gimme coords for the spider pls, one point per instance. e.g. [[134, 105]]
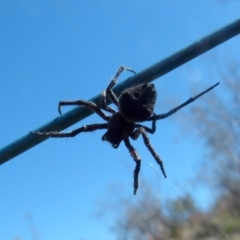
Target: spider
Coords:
[[135, 104]]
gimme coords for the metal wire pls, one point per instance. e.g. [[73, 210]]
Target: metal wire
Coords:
[[148, 75]]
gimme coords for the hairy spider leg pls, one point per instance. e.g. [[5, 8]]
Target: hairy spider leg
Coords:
[[152, 130], [172, 111], [109, 90], [91, 105], [142, 130], [137, 159], [104, 103], [153, 152], [86, 128]]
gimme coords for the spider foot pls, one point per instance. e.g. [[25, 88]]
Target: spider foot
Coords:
[[36, 133], [120, 70], [59, 109], [127, 69], [135, 177], [163, 170], [45, 134], [60, 104]]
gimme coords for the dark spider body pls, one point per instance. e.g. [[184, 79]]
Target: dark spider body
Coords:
[[135, 104], [118, 129]]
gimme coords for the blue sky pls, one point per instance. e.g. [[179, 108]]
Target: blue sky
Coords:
[[66, 50]]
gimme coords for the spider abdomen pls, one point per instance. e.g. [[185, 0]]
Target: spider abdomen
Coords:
[[136, 104]]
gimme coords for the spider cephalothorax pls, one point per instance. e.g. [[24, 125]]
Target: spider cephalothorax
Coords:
[[135, 104]]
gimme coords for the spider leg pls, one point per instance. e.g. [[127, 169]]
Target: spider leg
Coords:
[[147, 129], [104, 104], [91, 105], [190, 100], [137, 159], [147, 143], [86, 128], [109, 90]]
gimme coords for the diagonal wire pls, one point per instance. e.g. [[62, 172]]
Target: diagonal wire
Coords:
[[147, 75]]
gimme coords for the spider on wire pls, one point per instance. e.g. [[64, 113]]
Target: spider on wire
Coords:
[[135, 104]]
